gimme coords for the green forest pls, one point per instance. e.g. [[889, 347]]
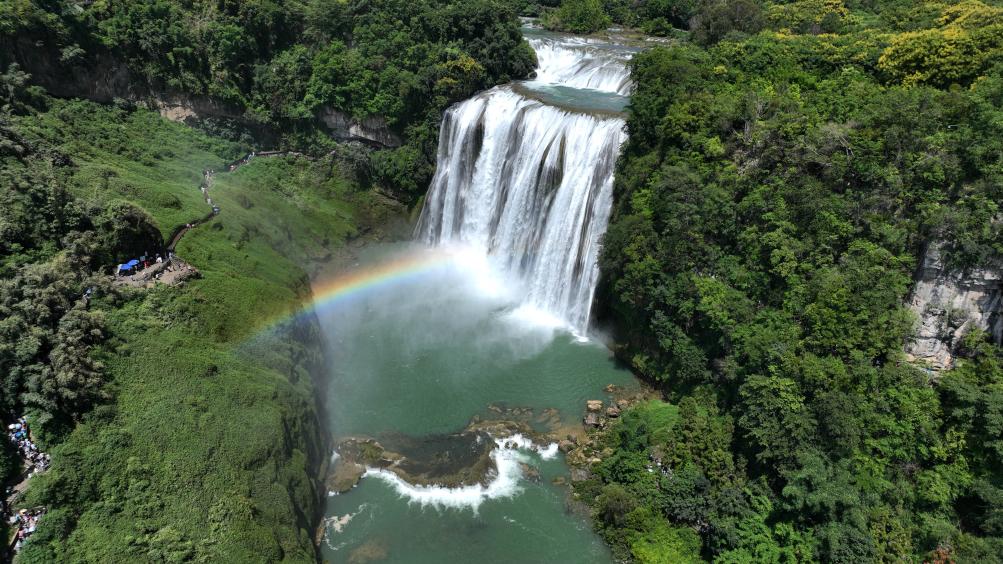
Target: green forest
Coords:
[[788, 163], [278, 65]]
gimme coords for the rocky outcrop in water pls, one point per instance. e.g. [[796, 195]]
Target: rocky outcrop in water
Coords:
[[949, 304]]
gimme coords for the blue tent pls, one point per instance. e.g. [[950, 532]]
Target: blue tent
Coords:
[[132, 263]]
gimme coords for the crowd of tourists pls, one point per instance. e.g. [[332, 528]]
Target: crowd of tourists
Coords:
[[24, 521], [241, 162], [20, 436], [204, 187], [134, 266]]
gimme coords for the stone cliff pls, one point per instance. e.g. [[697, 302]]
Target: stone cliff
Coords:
[[107, 79], [951, 303]]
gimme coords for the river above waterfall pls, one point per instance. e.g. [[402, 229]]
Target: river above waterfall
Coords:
[[459, 361]]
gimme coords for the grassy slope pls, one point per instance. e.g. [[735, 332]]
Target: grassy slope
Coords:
[[134, 156], [209, 448]]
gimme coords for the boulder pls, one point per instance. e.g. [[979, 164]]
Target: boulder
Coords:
[[565, 446], [612, 412], [592, 420], [594, 405]]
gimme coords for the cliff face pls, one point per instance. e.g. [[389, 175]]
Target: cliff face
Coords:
[[949, 304], [108, 78], [372, 130]]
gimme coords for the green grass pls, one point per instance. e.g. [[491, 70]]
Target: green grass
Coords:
[[134, 156], [210, 450], [659, 418]]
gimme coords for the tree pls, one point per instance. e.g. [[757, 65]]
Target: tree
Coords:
[[614, 504], [776, 419], [968, 41], [73, 382], [578, 16], [716, 19]]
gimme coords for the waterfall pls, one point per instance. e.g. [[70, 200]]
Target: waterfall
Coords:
[[582, 64], [530, 185]]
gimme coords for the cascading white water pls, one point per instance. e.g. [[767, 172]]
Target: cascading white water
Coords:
[[581, 64], [530, 185]]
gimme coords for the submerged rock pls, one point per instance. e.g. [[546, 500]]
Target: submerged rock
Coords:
[[531, 473], [344, 476], [371, 551]]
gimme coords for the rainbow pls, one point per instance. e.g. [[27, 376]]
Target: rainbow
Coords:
[[364, 281]]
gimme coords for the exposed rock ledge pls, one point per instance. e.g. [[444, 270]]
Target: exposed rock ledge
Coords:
[[372, 129], [949, 304]]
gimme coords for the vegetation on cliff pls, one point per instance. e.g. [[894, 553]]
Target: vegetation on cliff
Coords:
[[281, 65], [773, 202], [179, 428]]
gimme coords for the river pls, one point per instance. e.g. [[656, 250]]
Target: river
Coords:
[[467, 354]]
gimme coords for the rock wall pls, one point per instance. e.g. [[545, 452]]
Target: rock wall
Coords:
[[105, 78], [949, 304], [372, 130]]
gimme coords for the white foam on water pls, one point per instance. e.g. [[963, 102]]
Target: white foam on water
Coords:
[[547, 452], [337, 523], [507, 455], [582, 64]]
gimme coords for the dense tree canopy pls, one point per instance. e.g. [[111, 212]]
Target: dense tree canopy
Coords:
[[285, 64], [774, 200]]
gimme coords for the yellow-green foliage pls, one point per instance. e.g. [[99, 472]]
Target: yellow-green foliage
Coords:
[[811, 16], [969, 39], [665, 544]]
